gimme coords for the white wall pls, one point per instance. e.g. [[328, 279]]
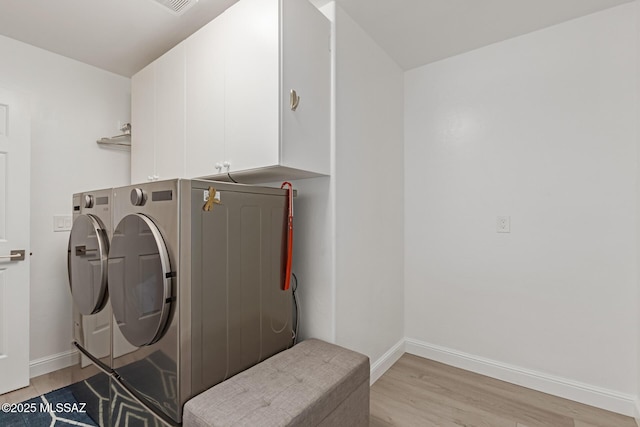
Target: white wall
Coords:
[[542, 128], [369, 194], [348, 248], [637, 412], [314, 258], [72, 105]]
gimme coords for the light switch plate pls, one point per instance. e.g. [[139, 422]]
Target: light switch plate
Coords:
[[62, 223]]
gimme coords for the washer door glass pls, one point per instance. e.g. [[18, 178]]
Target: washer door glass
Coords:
[[87, 264], [139, 280]]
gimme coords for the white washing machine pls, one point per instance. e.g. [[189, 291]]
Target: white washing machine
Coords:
[[196, 292]]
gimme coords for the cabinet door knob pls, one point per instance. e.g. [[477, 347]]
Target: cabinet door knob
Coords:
[[156, 177], [218, 166], [149, 178], [294, 100], [227, 165]]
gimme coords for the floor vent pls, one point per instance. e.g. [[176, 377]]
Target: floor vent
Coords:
[[178, 7]]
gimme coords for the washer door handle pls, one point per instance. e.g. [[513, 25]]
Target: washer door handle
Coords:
[[82, 250]]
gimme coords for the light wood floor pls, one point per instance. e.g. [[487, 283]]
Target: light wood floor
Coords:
[[421, 392]]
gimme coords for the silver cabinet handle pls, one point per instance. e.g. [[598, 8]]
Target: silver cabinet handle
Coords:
[[294, 100], [16, 255]]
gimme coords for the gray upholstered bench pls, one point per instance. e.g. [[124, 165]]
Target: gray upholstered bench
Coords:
[[312, 384]]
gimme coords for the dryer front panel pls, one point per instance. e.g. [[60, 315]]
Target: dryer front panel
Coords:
[[140, 280], [87, 264]]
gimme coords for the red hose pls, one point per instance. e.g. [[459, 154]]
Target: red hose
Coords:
[[287, 279]]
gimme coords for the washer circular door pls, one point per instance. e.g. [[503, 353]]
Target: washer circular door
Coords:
[[139, 280], [87, 264]]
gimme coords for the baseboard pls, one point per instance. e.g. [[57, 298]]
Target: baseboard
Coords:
[[52, 363], [637, 417], [387, 360], [573, 390]]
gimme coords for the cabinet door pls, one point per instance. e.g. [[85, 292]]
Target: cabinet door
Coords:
[[252, 81], [205, 99], [170, 114], [143, 124], [306, 69]]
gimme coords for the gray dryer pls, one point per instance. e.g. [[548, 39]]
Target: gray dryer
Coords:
[[197, 292]]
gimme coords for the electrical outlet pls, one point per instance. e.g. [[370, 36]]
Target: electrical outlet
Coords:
[[503, 224]]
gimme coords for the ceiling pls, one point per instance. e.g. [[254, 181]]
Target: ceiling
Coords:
[[122, 36], [417, 32]]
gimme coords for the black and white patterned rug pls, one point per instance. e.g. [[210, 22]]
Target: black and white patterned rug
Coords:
[[88, 402], [57, 408]]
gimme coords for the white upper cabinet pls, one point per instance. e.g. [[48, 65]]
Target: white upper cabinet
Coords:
[[306, 132], [252, 85], [233, 114], [170, 111], [143, 110], [158, 109], [205, 97]]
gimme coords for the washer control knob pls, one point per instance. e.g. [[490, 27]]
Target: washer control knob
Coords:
[[138, 197], [88, 201]]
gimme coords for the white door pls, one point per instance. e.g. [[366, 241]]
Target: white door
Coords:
[[15, 142]]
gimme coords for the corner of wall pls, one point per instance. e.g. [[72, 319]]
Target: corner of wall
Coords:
[[386, 361], [329, 10], [637, 101], [369, 312]]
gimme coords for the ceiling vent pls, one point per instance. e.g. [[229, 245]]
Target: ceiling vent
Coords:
[[177, 7]]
